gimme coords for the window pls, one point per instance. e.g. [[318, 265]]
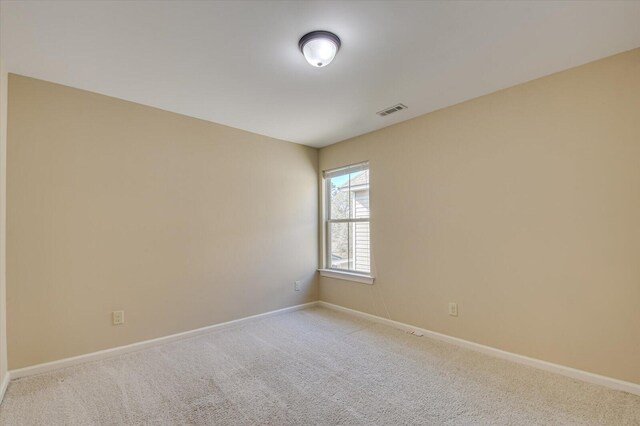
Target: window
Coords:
[[347, 219]]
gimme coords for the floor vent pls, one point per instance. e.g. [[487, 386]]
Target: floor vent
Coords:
[[391, 110]]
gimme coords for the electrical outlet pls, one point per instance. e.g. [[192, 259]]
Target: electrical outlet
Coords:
[[296, 286], [453, 309], [117, 317]]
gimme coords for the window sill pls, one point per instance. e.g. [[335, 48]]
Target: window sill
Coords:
[[347, 276]]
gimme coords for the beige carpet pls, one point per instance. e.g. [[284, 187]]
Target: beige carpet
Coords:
[[311, 367]]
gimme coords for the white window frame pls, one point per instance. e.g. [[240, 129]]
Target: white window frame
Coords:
[[327, 270]]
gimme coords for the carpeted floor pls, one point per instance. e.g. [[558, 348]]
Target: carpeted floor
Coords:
[[311, 367]]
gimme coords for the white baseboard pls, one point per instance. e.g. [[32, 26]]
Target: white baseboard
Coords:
[[4, 385], [109, 353], [609, 382]]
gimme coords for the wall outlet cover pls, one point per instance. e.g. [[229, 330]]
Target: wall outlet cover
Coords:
[[117, 317], [453, 309]]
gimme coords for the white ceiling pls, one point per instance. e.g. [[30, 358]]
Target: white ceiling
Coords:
[[237, 62]]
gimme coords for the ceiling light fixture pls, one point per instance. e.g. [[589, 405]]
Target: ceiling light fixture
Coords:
[[319, 47]]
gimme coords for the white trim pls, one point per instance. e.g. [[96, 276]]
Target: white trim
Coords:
[[109, 353], [348, 276], [4, 385], [574, 373], [345, 170], [355, 220], [610, 382]]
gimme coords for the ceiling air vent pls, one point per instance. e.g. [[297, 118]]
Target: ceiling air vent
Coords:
[[391, 110]]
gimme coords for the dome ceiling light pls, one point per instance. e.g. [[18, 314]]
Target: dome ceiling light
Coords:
[[319, 47]]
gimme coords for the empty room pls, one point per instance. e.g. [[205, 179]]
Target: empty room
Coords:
[[319, 212]]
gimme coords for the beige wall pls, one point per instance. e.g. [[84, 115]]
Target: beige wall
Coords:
[[3, 234], [522, 206], [180, 222]]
